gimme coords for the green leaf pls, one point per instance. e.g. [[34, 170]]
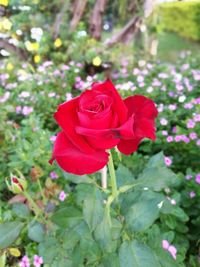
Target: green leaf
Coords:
[[93, 208], [124, 176], [157, 176], [68, 216], [168, 208], [142, 215], [111, 259], [21, 210], [9, 232], [36, 231], [137, 254]]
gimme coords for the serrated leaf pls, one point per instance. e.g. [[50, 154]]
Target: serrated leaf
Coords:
[[142, 215], [9, 232], [124, 176]]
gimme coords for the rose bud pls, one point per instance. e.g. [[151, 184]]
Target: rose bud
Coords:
[[17, 185]]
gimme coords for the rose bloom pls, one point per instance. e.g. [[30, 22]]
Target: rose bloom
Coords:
[[98, 120]]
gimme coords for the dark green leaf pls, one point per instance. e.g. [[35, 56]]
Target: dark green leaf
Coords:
[[124, 176], [136, 254]]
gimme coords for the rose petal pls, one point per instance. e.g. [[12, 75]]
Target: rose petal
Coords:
[[119, 106], [66, 117], [141, 106], [128, 146], [72, 160], [144, 128]]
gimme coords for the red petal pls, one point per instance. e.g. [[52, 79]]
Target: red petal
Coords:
[[119, 107], [144, 128], [141, 106], [66, 117], [72, 160], [128, 146]]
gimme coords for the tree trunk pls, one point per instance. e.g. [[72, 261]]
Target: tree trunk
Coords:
[[96, 19], [59, 18], [79, 7], [126, 33]]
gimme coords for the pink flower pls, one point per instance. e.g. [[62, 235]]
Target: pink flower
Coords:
[[165, 244], [52, 138], [38, 261], [198, 142], [193, 136], [62, 196], [168, 161], [197, 117], [53, 175], [192, 194], [165, 133], [174, 129], [170, 139], [190, 124], [27, 110], [163, 121], [188, 177], [178, 138], [24, 262], [198, 178], [172, 250]]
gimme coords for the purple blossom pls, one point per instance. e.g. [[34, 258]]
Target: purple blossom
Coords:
[[164, 133], [52, 138], [190, 124], [197, 178], [193, 136], [53, 175], [192, 194], [27, 110], [188, 177], [198, 142]]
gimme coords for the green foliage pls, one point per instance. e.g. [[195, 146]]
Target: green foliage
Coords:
[[181, 17], [9, 232]]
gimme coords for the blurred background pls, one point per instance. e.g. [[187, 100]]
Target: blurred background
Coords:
[[38, 30], [50, 51]]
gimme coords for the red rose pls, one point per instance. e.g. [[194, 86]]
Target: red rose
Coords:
[[97, 120]]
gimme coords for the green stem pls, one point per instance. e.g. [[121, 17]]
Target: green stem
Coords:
[[41, 191], [35, 207], [112, 176]]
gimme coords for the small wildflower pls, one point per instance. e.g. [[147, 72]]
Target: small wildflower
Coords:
[[163, 121], [24, 262], [58, 43], [192, 194], [96, 61], [198, 178], [168, 161], [38, 261], [188, 177], [53, 175], [62, 196]]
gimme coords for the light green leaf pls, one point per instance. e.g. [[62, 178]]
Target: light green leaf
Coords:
[[9, 232], [137, 254]]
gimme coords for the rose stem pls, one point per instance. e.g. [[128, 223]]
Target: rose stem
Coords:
[[112, 176], [41, 191], [104, 177], [35, 207]]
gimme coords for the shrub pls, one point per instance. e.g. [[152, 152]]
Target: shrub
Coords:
[[182, 18]]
